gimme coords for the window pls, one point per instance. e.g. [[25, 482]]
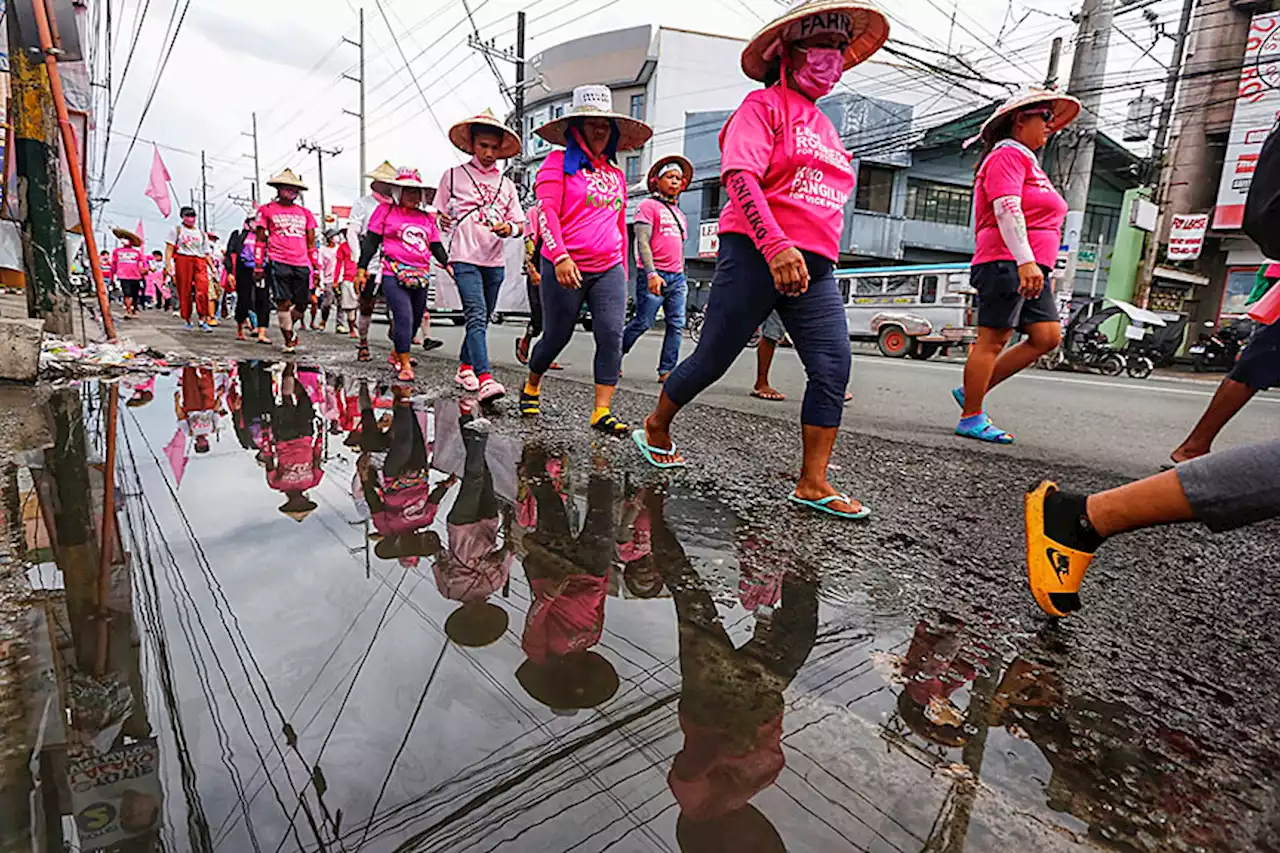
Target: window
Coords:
[[948, 204], [637, 106], [875, 189], [633, 170], [902, 286], [929, 294], [557, 111], [869, 286], [712, 200], [1100, 224]]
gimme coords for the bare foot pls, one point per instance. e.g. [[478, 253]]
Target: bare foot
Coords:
[[768, 392], [658, 437], [818, 491], [1186, 454]]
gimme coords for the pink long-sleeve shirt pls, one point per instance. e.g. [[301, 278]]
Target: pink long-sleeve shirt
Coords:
[[583, 216], [476, 199]]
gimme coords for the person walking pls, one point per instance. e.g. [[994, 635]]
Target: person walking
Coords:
[[408, 238], [1018, 219], [1226, 491], [128, 267], [661, 228], [322, 295], [253, 299], [479, 210], [357, 226], [217, 281], [285, 253], [788, 177], [348, 299], [582, 196], [533, 286], [184, 261]]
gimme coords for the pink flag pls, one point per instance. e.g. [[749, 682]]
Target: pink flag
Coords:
[[158, 186], [176, 452], [141, 234]]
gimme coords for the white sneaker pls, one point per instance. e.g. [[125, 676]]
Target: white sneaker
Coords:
[[467, 379], [490, 390]]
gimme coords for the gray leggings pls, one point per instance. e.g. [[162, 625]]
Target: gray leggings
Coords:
[[1234, 488], [605, 293]]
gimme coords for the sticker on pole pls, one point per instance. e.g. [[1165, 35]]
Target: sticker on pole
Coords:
[[1186, 236], [117, 796]]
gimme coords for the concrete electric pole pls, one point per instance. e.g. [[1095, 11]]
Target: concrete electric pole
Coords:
[[321, 153], [257, 174], [364, 152]]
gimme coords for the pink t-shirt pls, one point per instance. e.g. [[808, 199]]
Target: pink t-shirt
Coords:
[[407, 234], [287, 227], [297, 465], [669, 227], [129, 263], [584, 215], [328, 265], [807, 180], [476, 199], [1011, 169]]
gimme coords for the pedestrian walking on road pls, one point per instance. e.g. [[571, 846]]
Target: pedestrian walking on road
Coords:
[[582, 196], [408, 238], [533, 286], [1018, 218], [1226, 490], [128, 266], [217, 281], [661, 228], [185, 262], [285, 253], [253, 298], [357, 226], [788, 177], [348, 300], [322, 295], [480, 208]]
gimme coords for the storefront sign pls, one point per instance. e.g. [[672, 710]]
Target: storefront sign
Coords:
[[709, 239], [1257, 103], [1186, 236], [1087, 258], [117, 796]]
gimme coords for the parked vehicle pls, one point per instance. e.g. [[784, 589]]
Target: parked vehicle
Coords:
[[915, 311], [1085, 346], [1219, 350]]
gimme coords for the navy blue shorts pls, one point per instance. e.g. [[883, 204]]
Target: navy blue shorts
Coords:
[[1259, 364], [1002, 306], [290, 283]]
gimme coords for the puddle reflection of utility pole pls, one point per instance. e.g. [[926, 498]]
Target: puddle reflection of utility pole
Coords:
[[953, 826]]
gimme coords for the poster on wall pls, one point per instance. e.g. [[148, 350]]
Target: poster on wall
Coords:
[[116, 796], [1186, 236], [1257, 108]]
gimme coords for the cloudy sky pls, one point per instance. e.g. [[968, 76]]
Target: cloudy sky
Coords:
[[285, 59]]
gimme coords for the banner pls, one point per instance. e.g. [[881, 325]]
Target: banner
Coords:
[[709, 239], [1186, 236], [116, 796], [1257, 107]]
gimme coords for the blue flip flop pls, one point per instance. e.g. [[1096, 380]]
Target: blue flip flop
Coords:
[[957, 394], [651, 454], [824, 505], [986, 431]]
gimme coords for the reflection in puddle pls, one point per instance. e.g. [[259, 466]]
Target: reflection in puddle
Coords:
[[351, 618]]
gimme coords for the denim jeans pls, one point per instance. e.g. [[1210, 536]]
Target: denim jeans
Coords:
[[478, 287], [675, 293]]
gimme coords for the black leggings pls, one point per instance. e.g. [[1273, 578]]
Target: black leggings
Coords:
[[477, 498], [251, 296], [408, 451], [535, 308]]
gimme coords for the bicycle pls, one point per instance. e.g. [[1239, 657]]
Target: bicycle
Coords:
[[697, 318]]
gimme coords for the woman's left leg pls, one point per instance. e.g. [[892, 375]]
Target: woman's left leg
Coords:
[[606, 295]]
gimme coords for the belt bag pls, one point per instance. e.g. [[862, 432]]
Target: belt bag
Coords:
[[408, 276]]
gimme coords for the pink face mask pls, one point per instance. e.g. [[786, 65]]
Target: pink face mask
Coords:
[[821, 71], [189, 221]]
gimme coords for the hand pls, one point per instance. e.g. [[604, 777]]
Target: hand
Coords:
[[444, 221], [1031, 279], [503, 229], [790, 272], [362, 278], [655, 284], [567, 274]]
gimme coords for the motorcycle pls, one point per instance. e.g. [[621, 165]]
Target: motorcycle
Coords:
[[1219, 351]]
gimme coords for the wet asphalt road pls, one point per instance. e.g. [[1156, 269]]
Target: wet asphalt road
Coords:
[[1162, 735]]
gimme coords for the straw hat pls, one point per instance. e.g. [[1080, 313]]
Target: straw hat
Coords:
[[287, 179], [460, 135], [383, 172], [126, 234], [298, 507], [1065, 109], [573, 683], [660, 166], [405, 178], [597, 102], [866, 26]]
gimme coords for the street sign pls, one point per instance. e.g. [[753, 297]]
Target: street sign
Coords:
[[1087, 258], [1257, 101], [709, 239], [1186, 236]]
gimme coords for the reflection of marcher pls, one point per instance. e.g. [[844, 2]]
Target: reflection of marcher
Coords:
[[938, 663], [143, 392], [296, 447], [731, 703], [569, 580], [251, 406], [198, 404], [1225, 490], [635, 548], [475, 566]]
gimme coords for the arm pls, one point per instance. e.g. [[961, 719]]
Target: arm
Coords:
[[313, 251], [369, 246], [550, 189], [168, 258], [644, 242], [260, 252], [1013, 228], [443, 196], [438, 252], [745, 192]]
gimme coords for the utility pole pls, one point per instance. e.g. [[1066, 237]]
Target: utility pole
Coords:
[[364, 165], [257, 175], [204, 195], [321, 153], [44, 247], [1055, 59], [1088, 71], [491, 51]]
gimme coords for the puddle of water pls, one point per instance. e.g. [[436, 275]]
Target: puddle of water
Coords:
[[369, 621]]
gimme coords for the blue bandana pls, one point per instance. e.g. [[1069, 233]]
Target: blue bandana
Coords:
[[576, 159]]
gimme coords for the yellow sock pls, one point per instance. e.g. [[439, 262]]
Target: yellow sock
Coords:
[[531, 390], [599, 413]]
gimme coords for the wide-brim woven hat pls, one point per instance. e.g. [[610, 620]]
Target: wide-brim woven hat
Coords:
[[405, 178], [287, 179], [384, 172], [865, 25], [1065, 110], [460, 135], [126, 234], [659, 167], [597, 102], [298, 507]]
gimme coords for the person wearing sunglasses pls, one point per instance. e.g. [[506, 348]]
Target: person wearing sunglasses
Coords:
[[1018, 219]]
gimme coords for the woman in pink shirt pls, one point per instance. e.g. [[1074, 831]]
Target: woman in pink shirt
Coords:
[[408, 238], [285, 253], [1018, 218], [129, 267], [788, 178], [582, 199]]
